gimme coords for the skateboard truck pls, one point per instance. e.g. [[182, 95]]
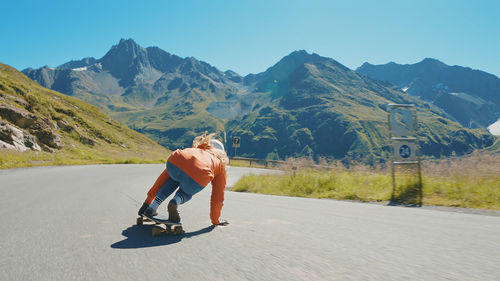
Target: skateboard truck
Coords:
[[170, 227]]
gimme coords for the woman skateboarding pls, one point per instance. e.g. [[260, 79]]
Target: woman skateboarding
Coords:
[[189, 171]]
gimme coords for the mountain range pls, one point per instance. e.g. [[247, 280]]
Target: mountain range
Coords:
[[304, 105], [471, 97], [42, 121]]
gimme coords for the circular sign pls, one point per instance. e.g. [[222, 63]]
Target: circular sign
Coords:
[[405, 151], [236, 142]]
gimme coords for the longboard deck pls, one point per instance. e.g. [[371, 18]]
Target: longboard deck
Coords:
[[170, 227], [163, 219]]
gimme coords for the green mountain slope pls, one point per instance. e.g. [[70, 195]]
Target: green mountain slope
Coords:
[[52, 128], [323, 109]]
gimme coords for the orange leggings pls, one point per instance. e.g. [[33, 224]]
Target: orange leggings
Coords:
[[156, 186]]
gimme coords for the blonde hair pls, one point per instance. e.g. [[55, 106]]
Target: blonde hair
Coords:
[[203, 142]]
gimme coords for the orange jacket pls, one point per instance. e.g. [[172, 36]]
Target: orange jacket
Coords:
[[203, 168]]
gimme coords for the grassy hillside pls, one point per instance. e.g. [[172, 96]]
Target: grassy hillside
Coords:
[[66, 130], [495, 148]]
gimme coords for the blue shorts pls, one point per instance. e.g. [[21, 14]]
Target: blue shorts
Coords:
[[187, 184]]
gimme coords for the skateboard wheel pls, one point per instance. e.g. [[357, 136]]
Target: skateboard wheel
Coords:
[[177, 230], [139, 221], [157, 231]]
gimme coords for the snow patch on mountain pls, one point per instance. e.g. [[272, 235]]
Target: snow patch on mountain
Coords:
[[495, 128], [80, 68]]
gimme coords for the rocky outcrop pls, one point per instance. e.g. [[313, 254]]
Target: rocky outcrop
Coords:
[[17, 116], [65, 126], [16, 139], [41, 128], [87, 141], [49, 138]]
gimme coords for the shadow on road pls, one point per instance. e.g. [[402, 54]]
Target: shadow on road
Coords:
[[398, 204], [139, 236]]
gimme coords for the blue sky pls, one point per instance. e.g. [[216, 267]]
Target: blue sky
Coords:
[[250, 36]]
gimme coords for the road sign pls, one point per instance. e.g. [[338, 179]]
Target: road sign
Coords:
[[404, 139], [404, 151], [236, 142], [402, 122]]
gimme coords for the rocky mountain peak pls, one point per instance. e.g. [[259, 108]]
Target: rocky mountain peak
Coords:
[[365, 65], [296, 59], [430, 62], [283, 71], [78, 63], [298, 54], [128, 43], [125, 60], [125, 50]]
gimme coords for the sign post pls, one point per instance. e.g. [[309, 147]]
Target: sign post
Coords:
[[236, 144], [405, 150]]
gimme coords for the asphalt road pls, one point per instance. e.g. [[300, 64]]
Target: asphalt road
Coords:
[[78, 223]]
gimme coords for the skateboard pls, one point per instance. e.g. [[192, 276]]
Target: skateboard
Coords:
[[170, 227]]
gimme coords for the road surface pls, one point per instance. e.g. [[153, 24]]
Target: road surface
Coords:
[[77, 223]]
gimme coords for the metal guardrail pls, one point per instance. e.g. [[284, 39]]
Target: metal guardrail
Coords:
[[256, 160], [275, 163]]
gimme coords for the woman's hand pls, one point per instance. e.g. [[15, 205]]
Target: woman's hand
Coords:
[[223, 223]]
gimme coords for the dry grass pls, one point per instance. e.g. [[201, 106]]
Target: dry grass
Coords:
[[472, 181], [79, 155]]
